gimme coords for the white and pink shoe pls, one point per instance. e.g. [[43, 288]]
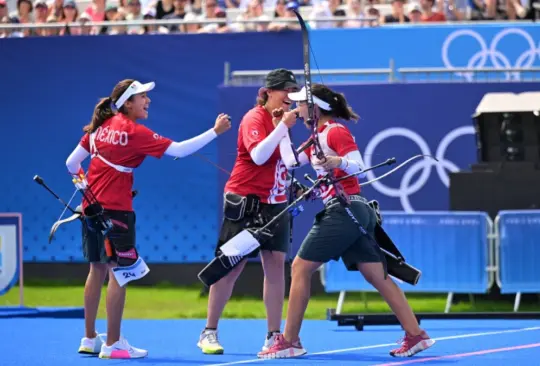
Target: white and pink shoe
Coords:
[[281, 348], [121, 350], [411, 345]]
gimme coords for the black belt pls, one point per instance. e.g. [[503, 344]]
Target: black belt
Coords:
[[352, 198]]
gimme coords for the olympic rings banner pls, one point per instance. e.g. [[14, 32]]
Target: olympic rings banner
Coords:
[[499, 46]]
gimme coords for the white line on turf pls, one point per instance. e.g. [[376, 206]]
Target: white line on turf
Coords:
[[459, 336]]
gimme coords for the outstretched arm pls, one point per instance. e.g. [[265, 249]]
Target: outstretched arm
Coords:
[[188, 147]]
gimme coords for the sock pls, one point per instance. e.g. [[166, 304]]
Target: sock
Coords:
[[271, 333], [210, 328]]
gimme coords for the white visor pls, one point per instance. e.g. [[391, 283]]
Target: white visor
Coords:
[[301, 96], [135, 88]]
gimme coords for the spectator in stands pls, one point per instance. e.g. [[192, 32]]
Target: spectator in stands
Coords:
[[110, 14], [41, 11], [326, 8], [194, 27], [47, 32], [397, 15], [23, 15], [118, 29], [373, 13], [179, 7], [254, 11], [96, 10], [134, 13], [83, 29], [415, 12], [4, 32], [518, 9], [13, 32], [282, 12], [163, 8], [454, 10], [354, 10], [428, 15], [24, 12], [56, 9], [122, 7], [69, 15], [230, 4], [4, 11], [221, 27], [150, 14]]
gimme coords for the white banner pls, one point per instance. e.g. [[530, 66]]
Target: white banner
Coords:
[[8, 256]]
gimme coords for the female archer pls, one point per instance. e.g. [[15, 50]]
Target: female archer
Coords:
[[334, 234]]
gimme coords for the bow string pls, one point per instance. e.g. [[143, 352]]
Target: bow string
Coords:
[[397, 168], [313, 115]]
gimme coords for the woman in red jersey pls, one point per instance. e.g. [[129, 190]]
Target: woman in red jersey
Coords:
[[334, 234], [259, 177], [118, 144]]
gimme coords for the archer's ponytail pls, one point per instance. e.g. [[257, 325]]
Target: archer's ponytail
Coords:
[[341, 108], [102, 112]]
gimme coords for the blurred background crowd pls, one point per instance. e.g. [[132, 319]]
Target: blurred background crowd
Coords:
[[222, 16]]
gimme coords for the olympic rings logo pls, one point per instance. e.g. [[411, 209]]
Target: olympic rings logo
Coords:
[[498, 59], [407, 187]]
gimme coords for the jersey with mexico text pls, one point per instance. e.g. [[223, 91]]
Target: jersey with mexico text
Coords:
[[269, 180], [335, 140], [125, 143]]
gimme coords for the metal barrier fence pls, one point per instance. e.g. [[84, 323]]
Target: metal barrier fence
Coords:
[[457, 252], [391, 74]]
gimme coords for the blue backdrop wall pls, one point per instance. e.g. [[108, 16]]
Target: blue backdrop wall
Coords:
[[50, 87], [52, 84]]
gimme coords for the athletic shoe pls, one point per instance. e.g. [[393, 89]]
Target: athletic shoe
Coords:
[[270, 340], [91, 346], [283, 349], [121, 350], [411, 345], [209, 344]]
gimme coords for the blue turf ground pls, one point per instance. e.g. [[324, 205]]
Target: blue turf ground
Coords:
[[47, 342]]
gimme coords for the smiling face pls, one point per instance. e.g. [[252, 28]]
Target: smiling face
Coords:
[[137, 106], [280, 99]]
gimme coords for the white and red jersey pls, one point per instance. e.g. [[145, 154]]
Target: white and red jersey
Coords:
[[269, 180], [117, 147], [335, 140]]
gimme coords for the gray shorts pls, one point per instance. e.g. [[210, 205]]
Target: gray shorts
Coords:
[[334, 235]]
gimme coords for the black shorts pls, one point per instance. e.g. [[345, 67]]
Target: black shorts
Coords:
[[279, 242], [334, 235], [121, 237]]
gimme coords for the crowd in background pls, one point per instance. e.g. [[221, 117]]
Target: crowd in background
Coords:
[[228, 13]]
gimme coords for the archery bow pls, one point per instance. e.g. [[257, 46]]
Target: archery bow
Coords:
[[313, 113]]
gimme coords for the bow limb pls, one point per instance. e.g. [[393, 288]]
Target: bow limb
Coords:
[[55, 225], [396, 169]]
